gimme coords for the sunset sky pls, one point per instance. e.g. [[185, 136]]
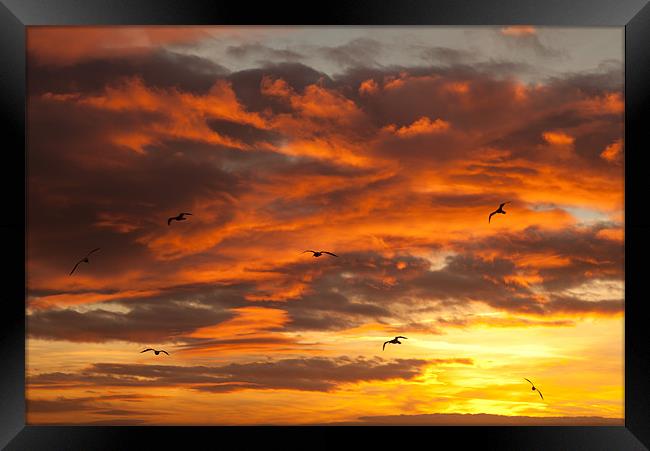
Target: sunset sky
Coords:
[[388, 146]]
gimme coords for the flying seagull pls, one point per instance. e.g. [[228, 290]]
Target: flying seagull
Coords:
[[535, 388], [180, 217], [83, 260], [498, 210], [156, 352], [394, 341], [319, 253]]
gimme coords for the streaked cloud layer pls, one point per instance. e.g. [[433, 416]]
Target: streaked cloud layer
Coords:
[[390, 154]]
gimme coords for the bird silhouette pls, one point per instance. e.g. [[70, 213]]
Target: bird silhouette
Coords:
[[180, 217], [83, 260], [319, 253], [155, 352], [394, 341], [535, 388], [498, 210]]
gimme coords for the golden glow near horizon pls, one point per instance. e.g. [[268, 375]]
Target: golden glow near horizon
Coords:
[[389, 155]]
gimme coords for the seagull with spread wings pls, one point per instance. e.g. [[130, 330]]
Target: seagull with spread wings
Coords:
[[180, 217], [499, 210], [535, 388], [155, 351], [319, 253], [394, 341], [83, 260]]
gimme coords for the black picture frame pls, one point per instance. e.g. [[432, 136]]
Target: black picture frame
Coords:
[[16, 15]]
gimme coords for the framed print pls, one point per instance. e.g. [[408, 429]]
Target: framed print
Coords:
[[367, 221]]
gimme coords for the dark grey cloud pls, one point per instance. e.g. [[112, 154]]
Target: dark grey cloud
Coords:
[[416, 288], [465, 277], [168, 315], [93, 404], [245, 133], [358, 52], [160, 69], [575, 305], [600, 132], [608, 76], [590, 255], [143, 323], [263, 53], [331, 310], [446, 55], [522, 137], [531, 42], [308, 374], [58, 405], [279, 343], [472, 61]]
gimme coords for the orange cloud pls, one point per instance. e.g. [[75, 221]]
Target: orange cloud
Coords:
[[368, 87], [607, 103], [521, 92], [424, 125], [316, 101], [247, 321], [275, 87], [458, 87], [518, 30], [613, 152], [185, 114], [279, 289], [558, 138], [393, 83], [404, 78], [617, 234]]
